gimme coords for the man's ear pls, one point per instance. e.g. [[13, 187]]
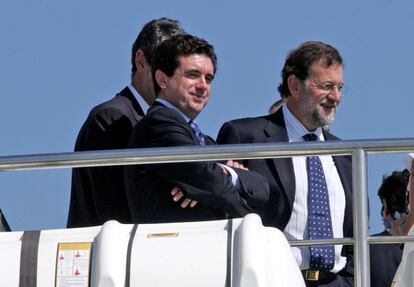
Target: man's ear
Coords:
[[161, 79], [293, 85], [140, 60]]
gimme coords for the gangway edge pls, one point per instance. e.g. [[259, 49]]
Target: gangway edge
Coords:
[[235, 252]]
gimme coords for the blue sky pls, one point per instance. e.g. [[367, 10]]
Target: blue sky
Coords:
[[60, 58]]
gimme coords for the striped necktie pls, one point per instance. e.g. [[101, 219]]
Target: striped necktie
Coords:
[[197, 132]]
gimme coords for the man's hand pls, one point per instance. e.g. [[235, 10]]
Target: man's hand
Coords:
[[235, 164], [177, 195], [232, 164]]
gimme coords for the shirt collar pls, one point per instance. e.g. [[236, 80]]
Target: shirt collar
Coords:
[[171, 106], [295, 129], [140, 99]]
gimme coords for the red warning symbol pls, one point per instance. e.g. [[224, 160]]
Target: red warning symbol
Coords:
[[77, 255], [61, 257], [77, 272]]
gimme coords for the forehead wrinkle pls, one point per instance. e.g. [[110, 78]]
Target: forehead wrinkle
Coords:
[[333, 73]]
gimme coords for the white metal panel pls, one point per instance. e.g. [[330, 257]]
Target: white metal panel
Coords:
[[174, 254], [181, 254]]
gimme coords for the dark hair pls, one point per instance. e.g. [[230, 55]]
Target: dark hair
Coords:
[[300, 60], [152, 35], [167, 56], [394, 190]]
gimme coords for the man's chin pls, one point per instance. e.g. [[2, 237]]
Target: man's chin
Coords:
[[324, 119], [195, 112], [327, 121]]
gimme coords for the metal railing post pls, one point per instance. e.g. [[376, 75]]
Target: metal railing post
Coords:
[[360, 218]]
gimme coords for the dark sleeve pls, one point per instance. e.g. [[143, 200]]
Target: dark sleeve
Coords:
[[202, 181], [4, 226], [109, 129], [228, 134]]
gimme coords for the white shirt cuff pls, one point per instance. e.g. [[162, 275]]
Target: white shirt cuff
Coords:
[[233, 174]]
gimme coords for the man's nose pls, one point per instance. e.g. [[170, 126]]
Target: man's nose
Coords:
[[202, 81], [335, 94], [202, 84]]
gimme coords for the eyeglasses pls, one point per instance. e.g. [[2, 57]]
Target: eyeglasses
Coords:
[[329, 86]]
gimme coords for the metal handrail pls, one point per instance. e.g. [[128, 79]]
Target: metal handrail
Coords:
[[200, 153], [358, 149]]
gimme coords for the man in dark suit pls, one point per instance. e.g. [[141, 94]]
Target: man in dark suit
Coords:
[[4, 226], [98, 193], [311, 88], [183, 70], [385, 258]]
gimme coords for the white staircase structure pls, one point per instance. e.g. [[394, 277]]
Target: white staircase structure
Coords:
[[238, 252]]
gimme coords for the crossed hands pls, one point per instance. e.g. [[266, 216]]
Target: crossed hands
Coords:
[[177, 194]]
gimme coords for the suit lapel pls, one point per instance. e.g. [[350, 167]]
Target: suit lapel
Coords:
[[209, 140], [275, 131], [158, 105], [344, 168], [137, 110]]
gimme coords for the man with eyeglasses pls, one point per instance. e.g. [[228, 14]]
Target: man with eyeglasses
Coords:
[[310, 197]]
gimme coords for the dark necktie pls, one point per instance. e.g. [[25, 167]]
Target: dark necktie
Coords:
[[197, 132], [319, 214]]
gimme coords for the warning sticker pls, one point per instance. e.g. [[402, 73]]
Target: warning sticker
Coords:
[[72, 264]]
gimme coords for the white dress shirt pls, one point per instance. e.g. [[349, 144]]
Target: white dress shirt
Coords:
[[140, 99], [297, 227]]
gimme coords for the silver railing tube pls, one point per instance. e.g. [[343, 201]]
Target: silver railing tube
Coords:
[[359, 149], [205, 153], [360, 217]]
